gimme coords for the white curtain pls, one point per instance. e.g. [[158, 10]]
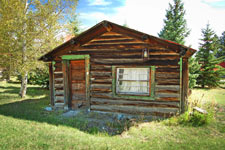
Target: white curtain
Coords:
[[133, 80]]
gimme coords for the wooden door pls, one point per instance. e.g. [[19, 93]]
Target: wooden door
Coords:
[[78, 84]]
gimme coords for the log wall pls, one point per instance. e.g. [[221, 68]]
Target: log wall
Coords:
[[58, 83], [113, 49]]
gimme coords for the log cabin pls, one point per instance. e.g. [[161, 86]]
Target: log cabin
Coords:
[[112, 68]]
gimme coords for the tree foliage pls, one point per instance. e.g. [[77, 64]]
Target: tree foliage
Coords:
[[194, 68], [175, 29], [28, 29], [221, 51], [175, 26], [210, 72], [74, 26]]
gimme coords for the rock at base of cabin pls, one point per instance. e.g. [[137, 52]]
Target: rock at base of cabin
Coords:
[[120, 117], [48, 108]]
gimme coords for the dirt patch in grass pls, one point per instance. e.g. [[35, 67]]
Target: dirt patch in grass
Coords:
[[105, 122]]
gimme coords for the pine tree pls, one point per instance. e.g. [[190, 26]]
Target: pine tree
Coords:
[[74, 26], [194, 69], [210, 72], [221, 51], [175, 28]]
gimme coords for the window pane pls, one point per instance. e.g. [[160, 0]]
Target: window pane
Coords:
[[133, 87], [133, 80]]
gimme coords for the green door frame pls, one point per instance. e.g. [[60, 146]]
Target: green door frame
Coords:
[[67, 78]]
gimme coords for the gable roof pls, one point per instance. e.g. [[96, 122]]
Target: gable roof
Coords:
[[106, 26]]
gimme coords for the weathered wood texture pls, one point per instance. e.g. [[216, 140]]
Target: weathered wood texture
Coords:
[[78, 82], [113, 49], [184, 96], [58, 83], [51, 84]]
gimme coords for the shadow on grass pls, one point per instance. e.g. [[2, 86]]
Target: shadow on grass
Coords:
[[31, 91], [33, 110]]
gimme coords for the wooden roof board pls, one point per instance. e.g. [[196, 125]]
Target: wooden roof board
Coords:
[[104, 28]]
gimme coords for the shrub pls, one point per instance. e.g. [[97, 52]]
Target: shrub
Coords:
[[38, 76], [194, 118]]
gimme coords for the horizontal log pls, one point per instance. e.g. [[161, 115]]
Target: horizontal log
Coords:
[[116, 45], [57, 98], [167, 87], [113, 40], [157, 51], [58, 69], [100, 90], [112, 61], [97, 73], [167, 75], [134, 109], [174, 70], [167, 80], [163, 53], [56, 76], [117, 55], [171, 67], [59, 105], [167, 91], [60, 101], [162, 57], [58, 85], [101, 86], [134, 61], [101, 67], [58, 79], [101, 95], [59, 92], [102, 50], [110, 36], [99, 101], [175, 99], [94, 80], [167, 94], [58, 72]]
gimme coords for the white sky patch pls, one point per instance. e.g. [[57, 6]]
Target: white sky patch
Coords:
[[98, 3], [147, 16], [212, 1]]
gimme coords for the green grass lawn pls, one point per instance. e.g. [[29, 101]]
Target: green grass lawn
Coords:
[[24, 124]]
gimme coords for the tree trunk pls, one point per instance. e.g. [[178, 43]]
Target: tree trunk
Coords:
[[24, 72], [23, 88]]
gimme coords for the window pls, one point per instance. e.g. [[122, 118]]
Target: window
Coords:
[[133, 81]]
